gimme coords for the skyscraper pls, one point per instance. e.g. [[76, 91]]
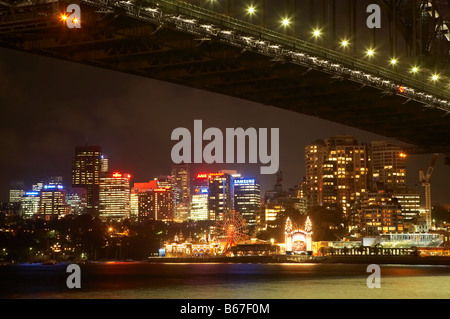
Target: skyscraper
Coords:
[[114, 195], [181, 182], [247, 198], [86, 168], [220, 199], [199, 204], [336, 171]]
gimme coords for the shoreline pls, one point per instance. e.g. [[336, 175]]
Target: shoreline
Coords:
[[406, 260]]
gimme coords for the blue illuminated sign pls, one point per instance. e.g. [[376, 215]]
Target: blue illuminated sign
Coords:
[[204, 191], [32, 193], [53, 186], [249, 181]]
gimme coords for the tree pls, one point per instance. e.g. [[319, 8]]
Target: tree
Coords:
[[327, 223]]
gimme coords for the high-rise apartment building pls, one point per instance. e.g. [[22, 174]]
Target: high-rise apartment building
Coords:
[[87, 165], [336, 171], [387, 166], [380, 213], [114, 195]]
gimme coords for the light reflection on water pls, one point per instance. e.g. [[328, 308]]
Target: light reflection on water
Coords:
[[226, 281]]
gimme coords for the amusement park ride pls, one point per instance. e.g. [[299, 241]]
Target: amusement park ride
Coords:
[[231, 234]]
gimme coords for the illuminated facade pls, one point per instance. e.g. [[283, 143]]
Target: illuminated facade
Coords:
[[16, 192], [298, 241], [52, 202], [87, 165], [156, 204], [114, 196], [164, 204], [181, 182], [271, 212], [336, 171], [410, 205], [247, 199], [199, 204], [29, 204], [76, 198], [387, 166], [220, 195], [187, 249], [380, 213]]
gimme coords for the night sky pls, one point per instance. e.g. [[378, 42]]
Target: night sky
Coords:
[[47, 107]]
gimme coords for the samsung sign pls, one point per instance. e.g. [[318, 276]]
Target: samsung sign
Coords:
[[244, 181]]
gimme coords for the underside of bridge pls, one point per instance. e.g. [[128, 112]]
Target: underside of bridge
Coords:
[[121, 43]]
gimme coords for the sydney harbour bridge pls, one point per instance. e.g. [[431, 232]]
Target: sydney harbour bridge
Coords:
[[315, 57]]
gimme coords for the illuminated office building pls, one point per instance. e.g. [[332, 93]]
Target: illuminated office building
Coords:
[[199, 204], [336, 171], [220, 195], [272, 210], [247, 198], [134, 204], [114, 196], [52, 203], [29, 204], [16, 191], [181, 183], [87, 165], [76, 199], [37, 187], [387, 166]]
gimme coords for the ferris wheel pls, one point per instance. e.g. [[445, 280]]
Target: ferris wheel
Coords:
[[231, 230]]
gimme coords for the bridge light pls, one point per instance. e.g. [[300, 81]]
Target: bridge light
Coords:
[[345, 43], [251, 10], [415, 69], [317, 33], [285, 22], [393, 61], [435, 77], [370, 53], [63, 17]]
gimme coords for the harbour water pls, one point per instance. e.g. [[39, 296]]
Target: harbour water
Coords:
[[142, 280]]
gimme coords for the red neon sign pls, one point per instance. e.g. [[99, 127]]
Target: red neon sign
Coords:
[[202, 175], [117, 175]]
